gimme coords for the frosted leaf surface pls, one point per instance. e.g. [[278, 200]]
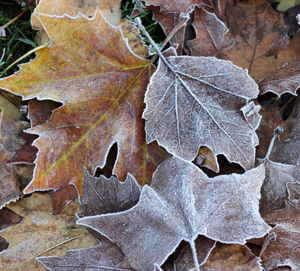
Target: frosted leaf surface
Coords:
[[181, 204], [196, 101]]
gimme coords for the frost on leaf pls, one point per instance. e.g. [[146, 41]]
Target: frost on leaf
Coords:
[[179, 6], [197, 101], [181, 203], [108, 195], [211, 34], [101, 85]]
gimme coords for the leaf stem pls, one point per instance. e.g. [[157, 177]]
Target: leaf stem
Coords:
[[277, 131], [195, 257]]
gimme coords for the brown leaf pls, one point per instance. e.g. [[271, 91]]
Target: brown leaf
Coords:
[[281, 247], [261, 39], [230, 257], [8, 218], [10, 187], [182, 203], [211, 35], [3, 244], [102, 103], [206, 158], [182, 258], [288, 150], [196, 101], [41, 233]]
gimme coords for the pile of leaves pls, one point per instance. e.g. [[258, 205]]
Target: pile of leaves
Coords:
[[184, 154]]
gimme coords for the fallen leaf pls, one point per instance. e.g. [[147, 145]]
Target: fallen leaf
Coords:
[[212, 35], [8, 218], [182, 258], [231, 257], [102, 103], [206, 158], [10, 187], [167, 213], [281, 247], [196, 101], [100, 195], [108, 195], [274, 190], [288, 150], [3, 244], [179, 6], [106, 256], [261, 39], [41, 233]]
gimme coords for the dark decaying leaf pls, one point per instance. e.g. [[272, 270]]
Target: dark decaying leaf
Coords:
[[8, 218], [182, 258], [182, 203], [281, 247], [211, 34], [274, 190], [288, 150], [108, 195], [3, 244], [196, 101]]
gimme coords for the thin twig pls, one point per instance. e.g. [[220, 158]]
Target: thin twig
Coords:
[[278, 130]]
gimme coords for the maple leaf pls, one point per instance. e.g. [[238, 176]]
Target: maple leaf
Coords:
[[39, 232], [196, 101], [211, 34], [102, 103], [181, 203]]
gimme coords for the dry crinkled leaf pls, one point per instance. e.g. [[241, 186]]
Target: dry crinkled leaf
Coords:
[[39, 232], [231, 257], [274, 190], [260, 36], [288, 150], [196, 101], [285, 79], [182, 258], [211, 34], [106, 256], [281, 247], [102, 103], [182, 203], [206, 158], [180, 6], [10, 187], [108, 195]]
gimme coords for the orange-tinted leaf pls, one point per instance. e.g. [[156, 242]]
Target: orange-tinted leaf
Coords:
[[206, 158], [101, 84]]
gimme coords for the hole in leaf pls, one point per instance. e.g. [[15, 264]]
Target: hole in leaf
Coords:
[[110, 162], [225, 168]]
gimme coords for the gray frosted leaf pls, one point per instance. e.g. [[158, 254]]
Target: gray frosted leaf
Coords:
[[108, 195], [274, 191], [106, 256], [196, 101], [182, 203]]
